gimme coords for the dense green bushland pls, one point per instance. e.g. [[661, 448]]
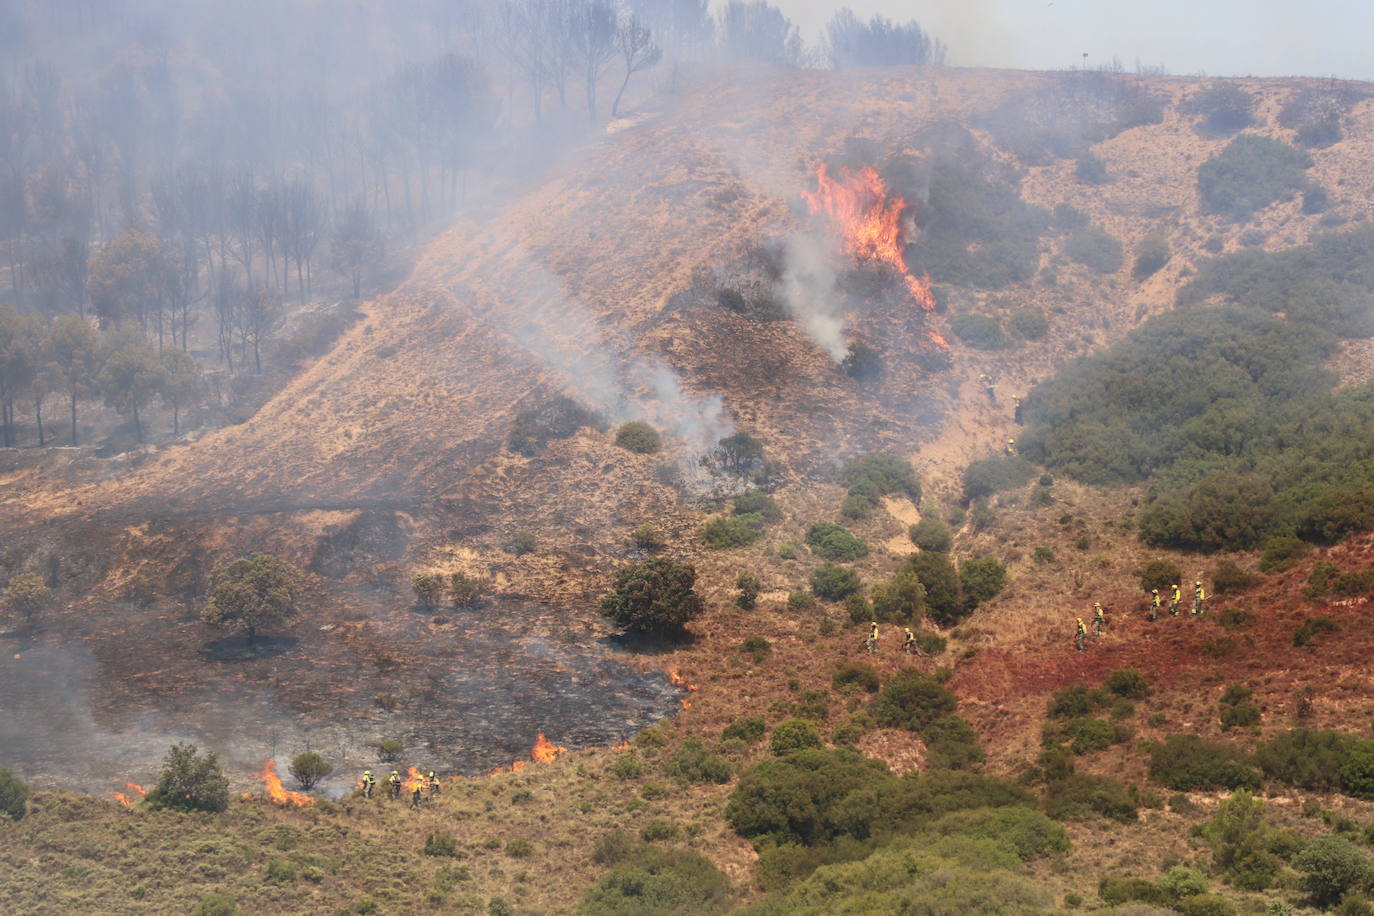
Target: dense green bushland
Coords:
[[872, 477], [1225, 411], [1248, 175]]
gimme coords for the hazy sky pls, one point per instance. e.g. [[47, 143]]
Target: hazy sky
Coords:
[[1220, 37]]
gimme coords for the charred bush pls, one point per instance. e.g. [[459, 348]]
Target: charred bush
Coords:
[[1090, 169], [558, 418], [862, 363], [1222, 108], [1150, 256], [653, 596]]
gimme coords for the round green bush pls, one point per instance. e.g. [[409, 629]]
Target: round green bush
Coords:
[[792, 735], [982, 332], [912, 700], [1330, 866], [834, 542], [931, 534], [748, 729], [1160, 574], [190, 781], [14, 795], [653, 596], [1030, 323], [309, 768], [860, 674], [638, 436], [832, 582], [627, 767]]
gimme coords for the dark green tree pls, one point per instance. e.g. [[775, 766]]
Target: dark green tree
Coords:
[[251, 593], [944, 597], [131, 376], [656, 595], [190, 781]]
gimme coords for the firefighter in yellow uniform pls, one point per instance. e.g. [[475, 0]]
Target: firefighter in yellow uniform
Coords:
[[1099, 619], [1199, 596], [1174, 601], [1081, 634], [1154, 604]]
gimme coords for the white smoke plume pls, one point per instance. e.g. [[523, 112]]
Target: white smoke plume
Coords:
[[809, 290], [549, 322]]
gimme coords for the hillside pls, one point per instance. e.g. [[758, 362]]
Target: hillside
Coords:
[[603, 282]]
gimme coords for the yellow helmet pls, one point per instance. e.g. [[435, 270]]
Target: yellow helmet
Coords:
[[367, 772], [1154, 591], [431, 774], [1198, 582]]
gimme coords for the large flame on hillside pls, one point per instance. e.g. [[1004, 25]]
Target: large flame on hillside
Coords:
[[413, 779], [868, 219], [275, 791], [544, 751]]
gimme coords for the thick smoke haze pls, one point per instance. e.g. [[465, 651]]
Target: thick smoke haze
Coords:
[[1220, 37]]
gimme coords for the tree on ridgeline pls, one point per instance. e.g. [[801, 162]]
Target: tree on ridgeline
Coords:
[[880, 42], [252, 593], [754, 30], [594, 29], [181, 382]]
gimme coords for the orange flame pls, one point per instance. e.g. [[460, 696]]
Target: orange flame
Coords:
[[136, 788], [686, 704], [679, 680], [545, 751], [413, 779], [124, 800], [128, 800], [281, 796], [622, 746], [869, 221]]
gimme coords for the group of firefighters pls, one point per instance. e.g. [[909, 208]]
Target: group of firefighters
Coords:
[[910, 646], [425, 785], [1080, 636]]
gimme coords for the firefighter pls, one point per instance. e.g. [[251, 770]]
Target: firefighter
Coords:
[[1099, 619], [1199, 596], [393, 784], [911, 647], [368, 783], [433, 784], [1174, 599], [1154, 604], [872, 642], [1081, 634], [1016, 410], [1011, 448], [989, 386], [415, 793]]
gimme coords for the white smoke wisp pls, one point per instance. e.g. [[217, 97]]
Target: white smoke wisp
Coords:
[[542, 317], [809, 290]]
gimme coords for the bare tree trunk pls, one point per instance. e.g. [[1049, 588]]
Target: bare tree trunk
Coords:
[[38, 415], [73, 418]]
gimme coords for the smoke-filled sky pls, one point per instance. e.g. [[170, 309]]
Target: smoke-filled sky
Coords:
[[1219, 37]]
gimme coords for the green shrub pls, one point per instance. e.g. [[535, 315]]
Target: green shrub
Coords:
[[981, 579], [1241, 715], [441, 845], [1252, 172], [749, 587], [1095, 249], [1307, 758], [757, 646], [987, 476], [692, 762], [190, 782], [309, 768], [883, 474], [658, 882], [1150, 256], [982, 332], [1127, 682], [1353, 583], [638, 436], [944, 596], [858, 609], [614, 847], [748, 729], [787, 551], [279, 871], [1030, 834], [390, 749], [912, 700], [1079, 796], [653, 596], [1187, 762], [521, 543], [519, 849], [901, 598], [811, 797], [1281, 554], [1115, 891], [792, 735], [832, 582], [800, 601], [1312, 629], [726, 531], [762, 505], [1074, 701], [1228, 578], [1160, 574], [217, 903], [1330, 867], [1206, 905], [931, 534], [860, 674], [951, 744], [627, 767], [857, 505], [834, 542], [14, 795], [1222, 108], [658, 829], [1180, 881], [1030, 323], [1090, 169]]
